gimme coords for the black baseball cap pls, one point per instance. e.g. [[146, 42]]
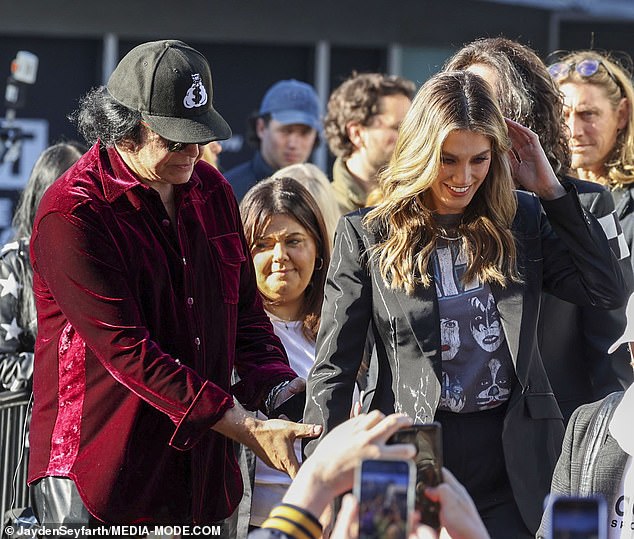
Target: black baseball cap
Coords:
[[169, 83]]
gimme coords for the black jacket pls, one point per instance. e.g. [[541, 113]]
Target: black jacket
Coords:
[[624, 204], [574, 339]]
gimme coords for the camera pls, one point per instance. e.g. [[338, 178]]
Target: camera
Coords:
[[23, 73]]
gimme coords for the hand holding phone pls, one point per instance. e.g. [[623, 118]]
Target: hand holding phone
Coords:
[[427, 438], [385, 491]]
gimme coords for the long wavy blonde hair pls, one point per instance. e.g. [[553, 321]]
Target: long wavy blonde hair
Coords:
[[617, 84], [454, 100]]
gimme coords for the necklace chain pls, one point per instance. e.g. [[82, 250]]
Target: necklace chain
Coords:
[[443, 233]]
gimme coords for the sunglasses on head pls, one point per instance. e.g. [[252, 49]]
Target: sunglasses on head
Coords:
[[585, 68]]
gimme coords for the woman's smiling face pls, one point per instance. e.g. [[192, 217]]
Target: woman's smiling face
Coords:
[[466, 158], [284, 258]]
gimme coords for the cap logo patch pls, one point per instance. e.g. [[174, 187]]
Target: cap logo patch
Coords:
[[196, 95]]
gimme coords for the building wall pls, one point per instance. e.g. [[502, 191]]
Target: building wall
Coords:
[[253, 43], [367, 22]]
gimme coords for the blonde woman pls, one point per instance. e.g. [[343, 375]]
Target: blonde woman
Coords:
[[447, 271], [318, 185]]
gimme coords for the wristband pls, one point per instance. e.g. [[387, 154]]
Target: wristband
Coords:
[[269, 403], [294, 521]]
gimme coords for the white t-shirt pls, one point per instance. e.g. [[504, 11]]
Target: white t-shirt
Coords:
[[271, 484], [621, 515]]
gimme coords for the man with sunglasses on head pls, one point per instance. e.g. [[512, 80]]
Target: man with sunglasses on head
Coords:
[[146, 301], [599, 112]]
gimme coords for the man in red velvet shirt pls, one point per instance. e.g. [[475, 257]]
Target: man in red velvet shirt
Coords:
[[146, 303]]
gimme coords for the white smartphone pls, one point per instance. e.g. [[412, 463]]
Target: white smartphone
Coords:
[[385, 491]]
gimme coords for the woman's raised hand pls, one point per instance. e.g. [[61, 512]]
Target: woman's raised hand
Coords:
[[529, 164]]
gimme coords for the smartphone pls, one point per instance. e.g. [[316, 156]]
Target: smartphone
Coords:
[[579, 518], [427, 438], [293, 408], [385, 492]]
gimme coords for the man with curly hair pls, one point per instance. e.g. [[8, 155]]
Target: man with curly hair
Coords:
[[364, 114]]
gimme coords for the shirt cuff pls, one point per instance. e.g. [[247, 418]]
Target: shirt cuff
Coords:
[[209, 405]]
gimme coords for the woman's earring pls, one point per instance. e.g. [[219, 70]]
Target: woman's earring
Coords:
[[319, 263]]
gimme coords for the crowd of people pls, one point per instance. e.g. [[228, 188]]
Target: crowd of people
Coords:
[[467, 260]]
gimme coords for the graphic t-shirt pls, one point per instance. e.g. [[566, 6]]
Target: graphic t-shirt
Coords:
[[477, 371]]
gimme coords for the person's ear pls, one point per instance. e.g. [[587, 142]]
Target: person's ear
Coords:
[[623, 113], [354, 131], [260, 126], [130, 146]]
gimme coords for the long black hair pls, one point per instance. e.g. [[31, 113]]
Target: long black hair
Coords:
[[50, 165], [100, 117]]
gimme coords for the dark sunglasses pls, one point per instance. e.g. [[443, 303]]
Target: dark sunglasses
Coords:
[[171, 145], [585, 68], [180, 146]]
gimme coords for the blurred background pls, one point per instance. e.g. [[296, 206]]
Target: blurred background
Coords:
[[251, 44]]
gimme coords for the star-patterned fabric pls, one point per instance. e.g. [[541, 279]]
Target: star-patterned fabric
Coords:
[[16, 336]]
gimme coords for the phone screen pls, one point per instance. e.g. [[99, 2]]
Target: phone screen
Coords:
[[385, 491], [579, 518], [428, 460]]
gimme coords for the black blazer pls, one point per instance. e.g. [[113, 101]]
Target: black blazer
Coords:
[[575, 263], [573, 339]]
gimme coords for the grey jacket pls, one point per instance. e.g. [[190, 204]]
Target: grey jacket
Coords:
[[588, 446]]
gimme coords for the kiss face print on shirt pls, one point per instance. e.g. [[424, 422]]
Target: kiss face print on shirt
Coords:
[[476, 363], [485, 323], [450, 338]]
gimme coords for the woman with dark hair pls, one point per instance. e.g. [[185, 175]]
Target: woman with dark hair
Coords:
[[17, 302], [291, 252], [447, 273]]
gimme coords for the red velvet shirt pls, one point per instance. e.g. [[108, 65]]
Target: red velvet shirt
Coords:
[[140, 323]]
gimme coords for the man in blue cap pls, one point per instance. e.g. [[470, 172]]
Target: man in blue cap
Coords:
[[284, 130]]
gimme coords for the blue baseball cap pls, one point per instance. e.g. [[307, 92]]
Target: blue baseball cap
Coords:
[[292, 102]]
